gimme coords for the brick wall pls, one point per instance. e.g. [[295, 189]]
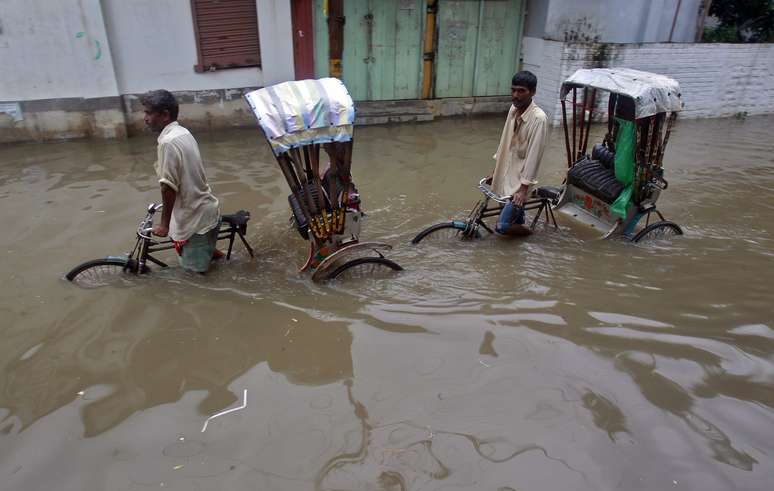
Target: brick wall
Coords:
[[716, 80]]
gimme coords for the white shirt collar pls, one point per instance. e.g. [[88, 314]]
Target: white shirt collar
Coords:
[[167, 129]]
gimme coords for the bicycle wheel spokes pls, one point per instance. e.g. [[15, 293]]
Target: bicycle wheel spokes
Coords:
[[99, 272], [662, 230], [441, 233]]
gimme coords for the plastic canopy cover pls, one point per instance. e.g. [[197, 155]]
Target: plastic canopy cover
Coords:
[[293, 114], [652, 93]]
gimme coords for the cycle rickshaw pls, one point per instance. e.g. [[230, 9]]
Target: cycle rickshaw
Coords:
[[305, 122], [617, 185]]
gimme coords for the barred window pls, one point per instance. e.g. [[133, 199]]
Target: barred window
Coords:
[[226, 34]]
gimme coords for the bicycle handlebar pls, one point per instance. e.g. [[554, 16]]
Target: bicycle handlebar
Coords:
[[146, 225], [484, 188]]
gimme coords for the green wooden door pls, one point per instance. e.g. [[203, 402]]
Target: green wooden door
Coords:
[[478, 47], [476, 55], [382, 48]]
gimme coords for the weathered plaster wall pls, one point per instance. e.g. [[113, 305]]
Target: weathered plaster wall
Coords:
[[57, 74], [716, 80], [276, 35], [54, 50], [612, 21], [154, 47], [74, 68]]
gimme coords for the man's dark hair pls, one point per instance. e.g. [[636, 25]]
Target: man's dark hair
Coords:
[[525, 79], [158, 101]]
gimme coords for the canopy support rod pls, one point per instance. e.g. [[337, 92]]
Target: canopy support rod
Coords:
[[574, 120], [566, 134]]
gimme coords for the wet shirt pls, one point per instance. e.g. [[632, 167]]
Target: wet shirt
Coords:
[[521, 148], [179, 166]]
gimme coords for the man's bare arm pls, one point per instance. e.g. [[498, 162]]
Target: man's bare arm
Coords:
[[168, 196]]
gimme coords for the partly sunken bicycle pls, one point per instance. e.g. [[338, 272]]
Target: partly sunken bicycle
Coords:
[[614, 189], [103, 271], [491, 205]]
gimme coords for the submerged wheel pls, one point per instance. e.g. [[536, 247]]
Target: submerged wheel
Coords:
[[365, 267], [441, 232], [102, 272], [658, 230]]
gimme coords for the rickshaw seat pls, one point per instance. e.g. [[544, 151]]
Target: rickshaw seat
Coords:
[[593, 177], [605, 156]]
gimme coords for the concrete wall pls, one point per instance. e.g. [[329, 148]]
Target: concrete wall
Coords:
[[74, 68], [612, 21], [716, 80], [154, 47], [54, 50], [56, 59]]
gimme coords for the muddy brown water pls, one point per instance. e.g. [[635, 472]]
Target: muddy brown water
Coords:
[[554, 362]]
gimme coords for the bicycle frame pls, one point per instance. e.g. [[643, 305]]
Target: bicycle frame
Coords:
[[146, 245], [482, 210]]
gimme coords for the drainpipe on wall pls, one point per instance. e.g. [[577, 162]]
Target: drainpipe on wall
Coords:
[[335, 36], [428, 54], [674, 20]]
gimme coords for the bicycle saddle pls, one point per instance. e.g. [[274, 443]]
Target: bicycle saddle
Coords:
[[237, 219], [550, 193]]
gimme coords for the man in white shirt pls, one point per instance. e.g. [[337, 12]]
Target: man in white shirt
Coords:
[[518, 156], [191, 215]]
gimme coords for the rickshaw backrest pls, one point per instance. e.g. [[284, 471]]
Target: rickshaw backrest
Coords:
[[605, 156], [591, 176]]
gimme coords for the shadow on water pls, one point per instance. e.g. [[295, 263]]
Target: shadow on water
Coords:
[[146, 362]]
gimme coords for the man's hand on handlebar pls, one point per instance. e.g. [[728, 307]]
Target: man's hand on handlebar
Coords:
[[520, 196], [488, 180], [160, 230]]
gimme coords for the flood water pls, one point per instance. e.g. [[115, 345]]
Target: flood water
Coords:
[[548, 363]]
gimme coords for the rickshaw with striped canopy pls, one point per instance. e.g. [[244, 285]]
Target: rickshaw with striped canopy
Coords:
[[309, 126]]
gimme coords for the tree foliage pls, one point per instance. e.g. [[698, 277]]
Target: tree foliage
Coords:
[[741, 21]]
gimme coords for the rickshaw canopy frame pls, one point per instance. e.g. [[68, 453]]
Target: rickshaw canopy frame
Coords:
[[652, 93], [305, 112]]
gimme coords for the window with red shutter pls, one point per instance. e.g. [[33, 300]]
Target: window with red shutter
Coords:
[[226, 34]]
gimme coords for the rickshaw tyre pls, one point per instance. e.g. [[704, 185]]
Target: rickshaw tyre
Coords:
[[364, 260], [435, 228], [643, 234], [126, 265]]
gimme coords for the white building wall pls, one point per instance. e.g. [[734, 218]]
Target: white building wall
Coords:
[[544, 59], [154, 47], [716, 80], [54, 49], [613, 21], [275, 31]]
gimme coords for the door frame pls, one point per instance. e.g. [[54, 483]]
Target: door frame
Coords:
[[301, 12]]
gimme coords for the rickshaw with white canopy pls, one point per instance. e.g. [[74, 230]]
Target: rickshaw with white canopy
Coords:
[[299, 119], [614, 187]]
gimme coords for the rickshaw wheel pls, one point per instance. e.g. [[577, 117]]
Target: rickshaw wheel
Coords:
[[365, 267], [441, 232], [658, 230]]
